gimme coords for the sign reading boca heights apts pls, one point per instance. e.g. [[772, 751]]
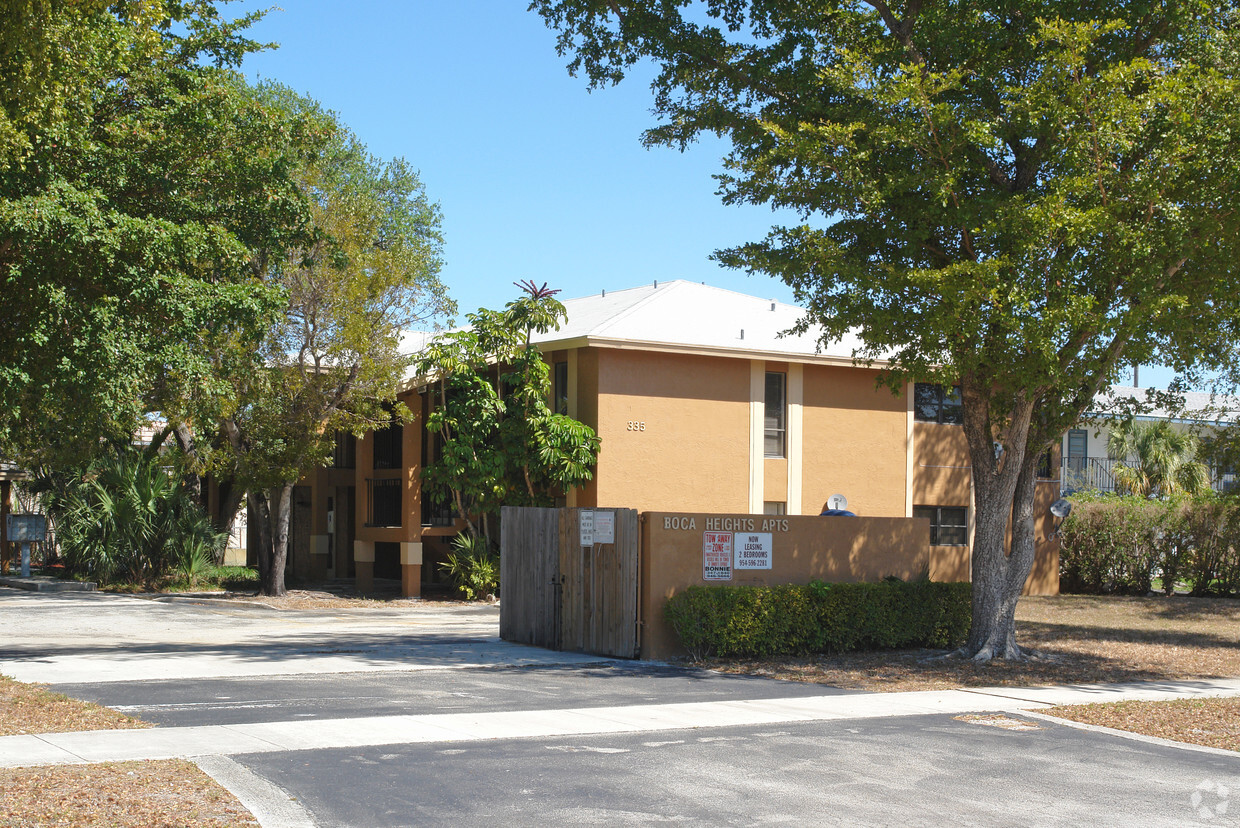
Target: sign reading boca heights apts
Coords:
[[716, 556]]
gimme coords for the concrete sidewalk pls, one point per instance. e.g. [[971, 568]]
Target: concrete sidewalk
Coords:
[[269, 737]]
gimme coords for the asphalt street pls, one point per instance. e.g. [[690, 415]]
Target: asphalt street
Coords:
[[931, 771], [419, 715], [221, 701]]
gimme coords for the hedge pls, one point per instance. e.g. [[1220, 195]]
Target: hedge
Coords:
[[1120, 543], [793, 619]]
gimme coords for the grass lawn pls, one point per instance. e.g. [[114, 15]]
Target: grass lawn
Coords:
[[1210, 722]]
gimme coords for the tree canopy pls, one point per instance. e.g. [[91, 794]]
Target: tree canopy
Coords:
[[137, 175], [330, 360], [1014, 197]]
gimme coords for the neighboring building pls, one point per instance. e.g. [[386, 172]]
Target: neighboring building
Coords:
[[1086, 464], [701, 406]]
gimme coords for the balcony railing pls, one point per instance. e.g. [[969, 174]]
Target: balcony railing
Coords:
[[1096, 473]]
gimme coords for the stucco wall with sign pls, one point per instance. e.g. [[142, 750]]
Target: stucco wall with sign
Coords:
[[678, 546]]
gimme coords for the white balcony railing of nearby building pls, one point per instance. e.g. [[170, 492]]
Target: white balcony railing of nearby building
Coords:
[[1096, 473]]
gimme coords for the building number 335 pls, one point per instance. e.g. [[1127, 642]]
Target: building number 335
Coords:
[[637, 425]]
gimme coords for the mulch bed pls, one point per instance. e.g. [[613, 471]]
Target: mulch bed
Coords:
[[165, 794]]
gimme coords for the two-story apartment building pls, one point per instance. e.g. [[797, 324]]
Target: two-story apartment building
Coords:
[[702, 404]]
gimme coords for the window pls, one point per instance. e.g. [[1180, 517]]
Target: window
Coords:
[[385, 502], [1045, 467], [774, 507], [561, 388], [388, 442], [773, 422], [948, 524], [345, 452], [936, 404]]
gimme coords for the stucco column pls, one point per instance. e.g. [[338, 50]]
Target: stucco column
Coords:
[[757, 430], [318, 557], [364, 565], [796, 437], [411, 569]]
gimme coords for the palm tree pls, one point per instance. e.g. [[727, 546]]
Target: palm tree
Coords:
[[1165, 460]]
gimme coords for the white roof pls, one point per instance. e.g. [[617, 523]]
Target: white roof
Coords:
[[1198, 406], [681, 315]]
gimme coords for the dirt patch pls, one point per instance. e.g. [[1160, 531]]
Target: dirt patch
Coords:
[[168, 794], [1210, 722], [31, 708], [341, 595], [1078, 640]]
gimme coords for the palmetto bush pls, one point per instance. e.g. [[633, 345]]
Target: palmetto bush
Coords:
[[123, 517], [472, 567]]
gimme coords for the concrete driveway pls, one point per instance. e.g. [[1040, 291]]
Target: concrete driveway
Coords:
[[422, 716]]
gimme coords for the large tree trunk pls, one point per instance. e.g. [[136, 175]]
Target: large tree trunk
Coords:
[[999, 482], [274, 509], [999, 574]]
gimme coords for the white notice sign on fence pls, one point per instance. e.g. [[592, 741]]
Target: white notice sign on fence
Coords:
[[604, 526], [716, 556], [753, 550], [585, 526]]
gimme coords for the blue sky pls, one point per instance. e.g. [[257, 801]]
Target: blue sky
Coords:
[[538, 178]]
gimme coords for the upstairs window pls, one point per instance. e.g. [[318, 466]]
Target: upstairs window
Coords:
[[388, 446], [774, 422], [560, 388], [936, 404], [345, 452]]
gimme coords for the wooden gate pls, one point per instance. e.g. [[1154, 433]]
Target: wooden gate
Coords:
[[569, 579], [529, 564]]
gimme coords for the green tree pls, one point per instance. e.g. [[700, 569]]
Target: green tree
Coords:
[[137, 174], [1163, 460], [330, 361], [1012, 197], [499, 441]]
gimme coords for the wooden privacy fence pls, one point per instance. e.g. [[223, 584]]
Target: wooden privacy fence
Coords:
[[569, 579]]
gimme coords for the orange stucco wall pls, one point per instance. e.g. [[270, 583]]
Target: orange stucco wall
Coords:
[[831, 549], [940, 465], [855, 442], [674, 430]]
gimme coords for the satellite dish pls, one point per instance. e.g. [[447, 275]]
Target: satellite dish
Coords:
[[1061, 508], [837, 501]]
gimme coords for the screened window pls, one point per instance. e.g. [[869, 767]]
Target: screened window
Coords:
[[561, 388], [385, 502], [949, 525], [776, 414], [1046, 469], [937, 404], [388, 446], [774, 507], [345, 452]]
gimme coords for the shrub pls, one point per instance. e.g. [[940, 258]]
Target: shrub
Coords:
[[472, 567], [1114, 544], [123, 517], [792, 619], [1117, 544]]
